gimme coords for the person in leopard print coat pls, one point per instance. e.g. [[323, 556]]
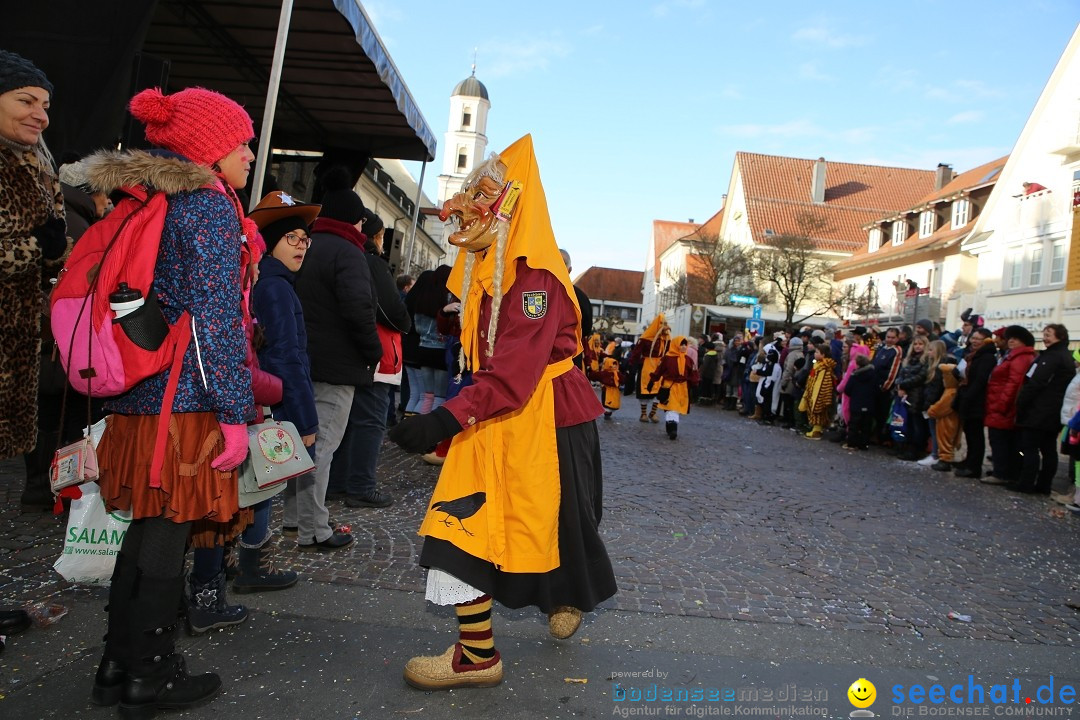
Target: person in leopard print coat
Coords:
[[32, 232]]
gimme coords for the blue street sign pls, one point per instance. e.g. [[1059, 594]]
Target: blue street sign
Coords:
[[756, 326], [744, 299], [757, 312]]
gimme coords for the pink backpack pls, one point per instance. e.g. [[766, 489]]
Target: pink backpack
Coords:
[[106, 348]]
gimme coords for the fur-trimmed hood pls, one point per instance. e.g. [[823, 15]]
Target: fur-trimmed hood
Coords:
[[108, 170]]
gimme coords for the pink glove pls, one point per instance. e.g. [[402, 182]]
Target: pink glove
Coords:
[[236, 448]]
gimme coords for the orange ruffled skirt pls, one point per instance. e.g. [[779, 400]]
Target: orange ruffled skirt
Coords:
[[191, 490]]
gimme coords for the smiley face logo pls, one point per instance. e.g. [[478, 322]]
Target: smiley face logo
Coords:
[[862, 693]]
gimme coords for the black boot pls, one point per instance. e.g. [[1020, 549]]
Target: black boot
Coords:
[[672, 429], [208, 608], [157, 675], [257, 571], [112, 670]]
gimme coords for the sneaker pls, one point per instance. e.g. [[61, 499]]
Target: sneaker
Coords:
[[374, 499], [993, 480], [845, 446], [814, 434], [1073, 508], [942, 466], [289, 530], [927, 461], [446, 671], [336, 541], [1064, 498]]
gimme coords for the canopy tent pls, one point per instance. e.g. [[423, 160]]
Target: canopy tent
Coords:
[[339, 88]]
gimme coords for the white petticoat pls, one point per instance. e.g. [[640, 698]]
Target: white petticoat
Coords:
[[445, 589]]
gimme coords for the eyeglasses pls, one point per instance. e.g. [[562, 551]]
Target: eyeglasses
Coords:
[[298, 240]]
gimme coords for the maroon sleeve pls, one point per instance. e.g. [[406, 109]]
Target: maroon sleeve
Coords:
[[524, 347]]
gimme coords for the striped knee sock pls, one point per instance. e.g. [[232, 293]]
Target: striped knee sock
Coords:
[[474, 626]]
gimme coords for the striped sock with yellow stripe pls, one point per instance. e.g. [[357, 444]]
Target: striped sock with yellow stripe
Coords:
[[474, 627]]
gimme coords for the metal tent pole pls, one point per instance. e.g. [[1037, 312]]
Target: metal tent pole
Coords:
[[270, 107], [407, 248]]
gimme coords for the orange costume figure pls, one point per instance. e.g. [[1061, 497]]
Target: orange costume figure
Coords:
[[514, 516], [675, 374], [594, 354], [610, 378], [651, 347]]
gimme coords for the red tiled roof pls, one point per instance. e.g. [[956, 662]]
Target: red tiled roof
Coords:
[[777, 191], [610, 284], [665, 233], [976, 177]]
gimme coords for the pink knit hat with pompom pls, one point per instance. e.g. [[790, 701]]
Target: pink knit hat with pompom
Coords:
[[202, 125]]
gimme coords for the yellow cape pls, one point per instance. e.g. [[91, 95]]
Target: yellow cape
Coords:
[[654, 327]]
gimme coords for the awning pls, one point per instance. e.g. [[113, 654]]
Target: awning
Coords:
[[339, 87]]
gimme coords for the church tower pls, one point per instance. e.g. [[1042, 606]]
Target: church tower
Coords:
[[466, 139]]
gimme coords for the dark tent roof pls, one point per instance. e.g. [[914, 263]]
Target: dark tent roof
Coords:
[[339, 87]]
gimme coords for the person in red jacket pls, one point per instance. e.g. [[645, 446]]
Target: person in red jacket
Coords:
[[1001, 392]]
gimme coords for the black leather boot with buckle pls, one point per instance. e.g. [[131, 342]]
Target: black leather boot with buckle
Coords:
[[157, 677]]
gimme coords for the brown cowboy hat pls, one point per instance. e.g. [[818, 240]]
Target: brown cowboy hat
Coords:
[[279, 205]]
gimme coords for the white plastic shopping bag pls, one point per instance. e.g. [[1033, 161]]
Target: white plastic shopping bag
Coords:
[[93, 538]]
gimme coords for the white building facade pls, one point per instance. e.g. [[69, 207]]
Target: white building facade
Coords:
[[1022, 240]]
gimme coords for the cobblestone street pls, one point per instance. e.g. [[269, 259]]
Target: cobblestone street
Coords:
[[734, 521]]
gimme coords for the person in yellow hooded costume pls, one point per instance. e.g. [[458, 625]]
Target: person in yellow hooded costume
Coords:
[[675, 374], [650, 349], [515, 512]]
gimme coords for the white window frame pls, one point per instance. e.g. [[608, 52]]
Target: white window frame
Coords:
[[899, 232], [1014, 269], [926, 223], [875, 239], [1035, 266], [961, 213], [1058, 262]]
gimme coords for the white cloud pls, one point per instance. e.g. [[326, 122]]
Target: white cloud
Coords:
[[504, 59], [968, 116], [789, 129], [821, 34], [809, 71], [666, 8]]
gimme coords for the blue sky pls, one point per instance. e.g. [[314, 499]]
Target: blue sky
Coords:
[[638, 108]]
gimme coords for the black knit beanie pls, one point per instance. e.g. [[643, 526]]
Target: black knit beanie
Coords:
[[275, 231], [343, 205], [18, 72], [339, 201]]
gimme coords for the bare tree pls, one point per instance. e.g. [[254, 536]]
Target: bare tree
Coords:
[[675, 293], [792, 265], [722, 268]]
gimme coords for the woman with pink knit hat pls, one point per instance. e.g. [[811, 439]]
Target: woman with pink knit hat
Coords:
[[205, 158]]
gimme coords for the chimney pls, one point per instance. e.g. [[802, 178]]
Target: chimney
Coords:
[[817, 182], [691, 221], [944, 176]]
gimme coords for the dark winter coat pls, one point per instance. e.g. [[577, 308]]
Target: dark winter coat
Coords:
[[971, 396], [285, 354], [933, 390], [1038, 406], [1004, 387], [862, 389], [80, 211], [708, 367], [335, 289], [912, 380], [886, 363]]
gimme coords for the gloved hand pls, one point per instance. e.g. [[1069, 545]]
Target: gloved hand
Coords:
[[52, 237], [420, 433], [236, 448], [650, 386]]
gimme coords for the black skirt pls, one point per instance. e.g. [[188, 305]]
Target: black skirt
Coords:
[[584, 577]]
